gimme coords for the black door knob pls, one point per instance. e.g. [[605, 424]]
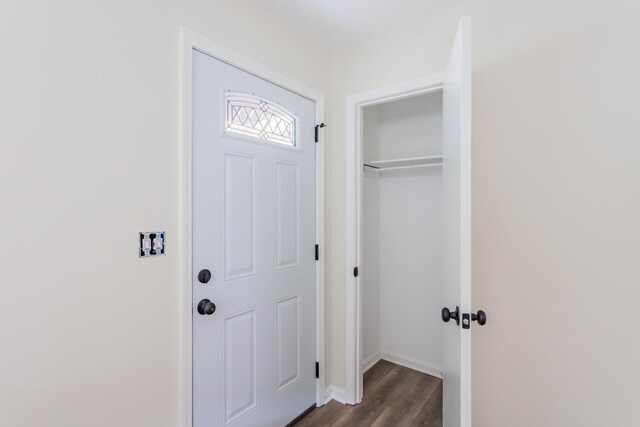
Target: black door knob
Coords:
[[204, 276], [206, 307], [448, 315], [480, 317]]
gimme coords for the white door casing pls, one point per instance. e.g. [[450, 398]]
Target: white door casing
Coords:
[[456, 178], [254, 230]]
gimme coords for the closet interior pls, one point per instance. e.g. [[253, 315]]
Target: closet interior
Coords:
[[402, 233]]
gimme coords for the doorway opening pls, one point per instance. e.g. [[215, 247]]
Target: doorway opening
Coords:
[[402, 214], [402, 245], [396, 139]]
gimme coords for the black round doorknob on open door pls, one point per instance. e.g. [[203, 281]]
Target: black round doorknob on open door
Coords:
[[204, 276], [480, 317], [448, 315], [206, 307]]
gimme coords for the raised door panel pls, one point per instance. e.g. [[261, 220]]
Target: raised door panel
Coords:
[[239, 216], [240, 373], [287, 341], [287, 215]]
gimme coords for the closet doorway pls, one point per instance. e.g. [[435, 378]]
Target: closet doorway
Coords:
[[408, 293], [401, 258]]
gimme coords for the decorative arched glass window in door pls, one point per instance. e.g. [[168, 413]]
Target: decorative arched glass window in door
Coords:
[[260, 119]]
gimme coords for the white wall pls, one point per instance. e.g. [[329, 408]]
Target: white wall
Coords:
[[555, 201], [411, 127], [402, 236], [88, 158], [411, 267]]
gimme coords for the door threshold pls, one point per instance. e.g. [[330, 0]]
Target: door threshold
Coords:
[[299, 418]]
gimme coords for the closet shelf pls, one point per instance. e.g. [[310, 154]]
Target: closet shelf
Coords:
[[409, 163]]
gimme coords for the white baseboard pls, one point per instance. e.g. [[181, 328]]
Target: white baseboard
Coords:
[[328, 394], [369, 362], [335, 393], [411, 363]]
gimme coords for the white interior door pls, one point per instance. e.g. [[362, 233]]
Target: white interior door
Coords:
[[254, 232], [456, 174]]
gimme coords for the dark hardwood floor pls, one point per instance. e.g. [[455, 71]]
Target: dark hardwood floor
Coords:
[[393, 396]]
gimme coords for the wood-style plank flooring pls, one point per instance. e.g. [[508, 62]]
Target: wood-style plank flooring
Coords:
[[393, 396]]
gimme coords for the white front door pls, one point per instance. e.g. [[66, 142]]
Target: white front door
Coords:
[[456, 179], [253, 250]]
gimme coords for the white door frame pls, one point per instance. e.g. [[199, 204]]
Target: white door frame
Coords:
[[190, 41], [355, 104]]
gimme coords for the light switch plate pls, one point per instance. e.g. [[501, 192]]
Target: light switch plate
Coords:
[[152, 243]]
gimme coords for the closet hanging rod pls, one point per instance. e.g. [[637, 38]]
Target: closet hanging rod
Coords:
[[411, 161], [395, 168]]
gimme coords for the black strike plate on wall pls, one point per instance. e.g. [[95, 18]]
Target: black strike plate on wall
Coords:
[[355, 271]]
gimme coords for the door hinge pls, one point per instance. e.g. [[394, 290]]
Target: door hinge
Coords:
[[317, 252], [318, 127], [317, 369]]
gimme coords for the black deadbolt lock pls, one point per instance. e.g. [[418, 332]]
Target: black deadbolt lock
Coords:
[[204, 276], [448, 315]]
